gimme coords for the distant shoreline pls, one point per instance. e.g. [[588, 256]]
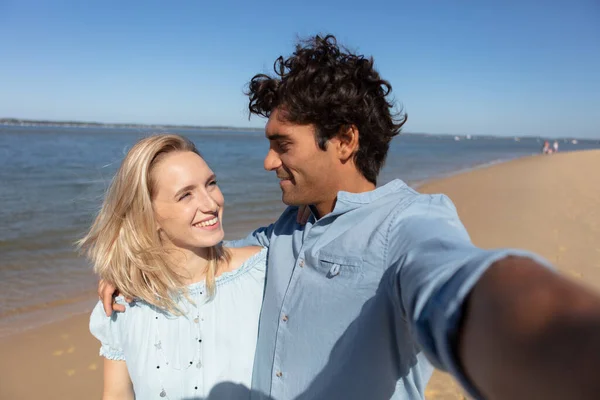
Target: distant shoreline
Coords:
[[82, 124]]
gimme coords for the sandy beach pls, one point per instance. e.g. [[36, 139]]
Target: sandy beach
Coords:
[[546, 204]]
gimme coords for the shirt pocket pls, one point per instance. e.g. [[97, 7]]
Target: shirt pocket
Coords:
[[340, 269]]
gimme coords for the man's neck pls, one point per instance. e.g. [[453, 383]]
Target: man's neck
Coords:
[[357, 185]]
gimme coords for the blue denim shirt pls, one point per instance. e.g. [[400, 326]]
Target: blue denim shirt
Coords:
[[357, 302]]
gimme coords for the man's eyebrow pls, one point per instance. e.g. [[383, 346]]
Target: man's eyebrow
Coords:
[[277, 136]]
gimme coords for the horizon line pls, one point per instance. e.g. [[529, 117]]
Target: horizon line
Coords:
[[43, 122]]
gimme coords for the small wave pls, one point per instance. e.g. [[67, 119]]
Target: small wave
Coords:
[[46, 305]]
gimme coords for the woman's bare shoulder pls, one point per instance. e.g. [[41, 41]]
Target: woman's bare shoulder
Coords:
[[240, 254]]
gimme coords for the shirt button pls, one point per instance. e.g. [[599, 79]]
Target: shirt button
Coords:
[[301, 263], [285, 318], [279, 374]]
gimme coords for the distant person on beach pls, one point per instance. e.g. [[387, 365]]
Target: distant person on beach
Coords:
[[555, 146], [546, 147], [158, 237], [383, 282]]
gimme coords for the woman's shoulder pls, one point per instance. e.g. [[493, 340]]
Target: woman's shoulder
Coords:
[[134, 310], [244, 255], [244, 261], [99, 317], [108, 330]]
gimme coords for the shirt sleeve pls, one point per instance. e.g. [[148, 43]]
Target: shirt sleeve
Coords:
[[108, 331], [436, 267]]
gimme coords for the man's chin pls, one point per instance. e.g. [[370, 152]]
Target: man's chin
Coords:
[[286, 201], [290, 200]]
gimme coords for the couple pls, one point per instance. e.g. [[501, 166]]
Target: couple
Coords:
[[358, 300]]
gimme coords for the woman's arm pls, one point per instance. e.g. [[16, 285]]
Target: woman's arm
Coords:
[[117, 383]]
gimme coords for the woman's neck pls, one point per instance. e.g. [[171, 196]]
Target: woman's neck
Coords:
[[191, 265]]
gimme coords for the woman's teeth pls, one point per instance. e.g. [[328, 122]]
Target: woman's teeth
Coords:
[[210, 222]]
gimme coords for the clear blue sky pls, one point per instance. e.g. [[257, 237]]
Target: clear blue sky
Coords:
[[459, 67]]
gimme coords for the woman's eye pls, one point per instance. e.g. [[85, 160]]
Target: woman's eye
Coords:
[[212, 183], [184, 196]]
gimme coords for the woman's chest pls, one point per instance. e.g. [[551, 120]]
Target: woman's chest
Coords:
[[186, 356]]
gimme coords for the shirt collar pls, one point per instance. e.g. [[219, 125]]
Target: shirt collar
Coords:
[[347, 201]]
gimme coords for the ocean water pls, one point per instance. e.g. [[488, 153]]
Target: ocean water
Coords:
[[52, 180]]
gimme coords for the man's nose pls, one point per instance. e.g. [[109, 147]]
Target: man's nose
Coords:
[[272, 161]]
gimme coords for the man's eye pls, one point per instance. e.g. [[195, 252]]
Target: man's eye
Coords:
[[284, 146]]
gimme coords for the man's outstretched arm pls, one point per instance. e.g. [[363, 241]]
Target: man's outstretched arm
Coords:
[[528, 333], [503, 322]]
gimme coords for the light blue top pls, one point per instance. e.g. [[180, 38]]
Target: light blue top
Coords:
[[208, 353], [356, 301]]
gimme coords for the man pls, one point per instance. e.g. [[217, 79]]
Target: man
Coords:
[[381, 279]]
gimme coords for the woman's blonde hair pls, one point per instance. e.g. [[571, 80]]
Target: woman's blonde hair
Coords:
[[124, 244]]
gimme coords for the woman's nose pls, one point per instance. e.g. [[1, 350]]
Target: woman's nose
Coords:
[[207, 204]]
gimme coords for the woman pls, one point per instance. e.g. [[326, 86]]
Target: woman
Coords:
[[158, 237]]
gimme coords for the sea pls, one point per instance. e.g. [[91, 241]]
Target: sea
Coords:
[[52, 181]]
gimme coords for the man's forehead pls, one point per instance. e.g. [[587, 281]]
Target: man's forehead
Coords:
[[277, 128], [277, 134]]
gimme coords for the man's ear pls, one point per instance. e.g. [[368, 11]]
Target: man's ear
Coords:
[[347, 143]]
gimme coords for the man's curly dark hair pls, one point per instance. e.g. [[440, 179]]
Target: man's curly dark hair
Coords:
[[330, 87]]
